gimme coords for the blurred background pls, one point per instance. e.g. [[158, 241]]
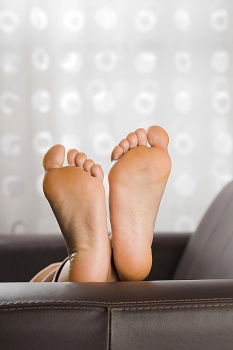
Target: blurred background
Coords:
[[86, 73]]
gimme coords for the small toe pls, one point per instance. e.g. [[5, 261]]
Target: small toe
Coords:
[[117, 153], [54, 157], [124, 144], [80, 159], [71, 156], [87, 165], [132, 139], [97, 172], [157, 136], [142, 137]]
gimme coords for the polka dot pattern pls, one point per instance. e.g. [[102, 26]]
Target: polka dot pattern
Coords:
[[85, 74]]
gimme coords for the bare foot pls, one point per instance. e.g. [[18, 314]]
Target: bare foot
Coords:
[[137, 182], [77, 198]]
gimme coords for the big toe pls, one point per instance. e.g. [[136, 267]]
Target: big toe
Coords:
[[157, 136], [54, 157]]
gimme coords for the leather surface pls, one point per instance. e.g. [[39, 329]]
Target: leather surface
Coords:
[[167, 249], [209, 251], [49, 328], [186, 327], [124, 315], [23, 256], [115, 292]]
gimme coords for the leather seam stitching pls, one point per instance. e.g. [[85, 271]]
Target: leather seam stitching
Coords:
[[173, 307], [108, 302], [191, 306], [53, 307]]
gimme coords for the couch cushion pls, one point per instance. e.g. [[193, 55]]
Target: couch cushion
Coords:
[[209, 252]]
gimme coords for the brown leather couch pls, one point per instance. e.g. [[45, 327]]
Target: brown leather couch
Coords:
[[186, 302]]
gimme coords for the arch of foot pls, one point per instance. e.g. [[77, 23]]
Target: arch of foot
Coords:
[[129, 87]]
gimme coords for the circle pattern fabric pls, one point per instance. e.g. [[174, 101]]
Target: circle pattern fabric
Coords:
[[84, 74]]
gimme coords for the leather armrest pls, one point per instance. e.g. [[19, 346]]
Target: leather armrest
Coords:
[[166, 315]]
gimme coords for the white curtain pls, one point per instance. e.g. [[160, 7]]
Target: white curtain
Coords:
[[85, 73]]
